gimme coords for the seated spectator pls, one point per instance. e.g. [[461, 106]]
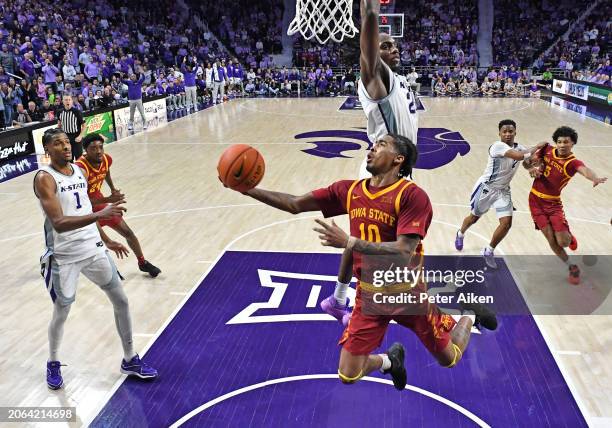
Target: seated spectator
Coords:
[[36, 115], [22, 117], [440, 88]]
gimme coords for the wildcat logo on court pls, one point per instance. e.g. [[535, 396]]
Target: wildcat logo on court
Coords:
[[437, 146]]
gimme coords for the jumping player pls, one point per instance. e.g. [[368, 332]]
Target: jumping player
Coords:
[[390, 107], [95, 165], [552, 168], [389, 215], [75, 245], [493, 188]]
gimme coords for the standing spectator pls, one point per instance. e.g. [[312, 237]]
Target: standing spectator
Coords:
[[349, 81], [189, 73], [7, 59], [6, 92], [50, 72], [27, 67], [134, 85], [218, 78], [69, 71], [412, 80], [70, 120]]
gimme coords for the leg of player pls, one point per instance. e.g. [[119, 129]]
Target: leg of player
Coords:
[[574, 271], [145, 266], [99, 271], [55, 334], [353, 367], [467, 223], [566, 239], [336, 305], [505, 223]]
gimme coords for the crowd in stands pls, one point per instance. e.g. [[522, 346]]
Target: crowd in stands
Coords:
[[523, 29], [584, 54]]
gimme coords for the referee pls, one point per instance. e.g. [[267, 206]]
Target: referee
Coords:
[[70, 120]]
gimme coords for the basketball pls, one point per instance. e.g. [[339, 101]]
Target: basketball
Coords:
[[241, 167]]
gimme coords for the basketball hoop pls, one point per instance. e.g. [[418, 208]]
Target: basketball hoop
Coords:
[[324, 20]]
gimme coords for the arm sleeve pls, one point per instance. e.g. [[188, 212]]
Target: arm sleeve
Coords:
[[499, 149], [332, 199], [415, 212]]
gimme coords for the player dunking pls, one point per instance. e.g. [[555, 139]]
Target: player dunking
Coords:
[[95, 165], [552, 168], [390, 107], [395, 216], [75, 244], [493, 188]]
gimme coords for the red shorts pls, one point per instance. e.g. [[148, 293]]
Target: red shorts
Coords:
[[111, 221], [365, 333], [547, 211]]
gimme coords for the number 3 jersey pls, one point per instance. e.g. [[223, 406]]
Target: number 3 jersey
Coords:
[[396, 113], [377, 214], [78, 244]]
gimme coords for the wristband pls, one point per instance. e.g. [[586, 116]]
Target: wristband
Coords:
[[351, 242], [526, 156]]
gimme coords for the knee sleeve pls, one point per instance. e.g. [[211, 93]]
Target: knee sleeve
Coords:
[[456, 357], [349, 380]]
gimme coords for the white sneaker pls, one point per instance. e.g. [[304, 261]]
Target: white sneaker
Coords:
[[130, 127], [144, 125]]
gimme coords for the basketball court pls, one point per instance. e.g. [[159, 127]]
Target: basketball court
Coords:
[[233, 324]]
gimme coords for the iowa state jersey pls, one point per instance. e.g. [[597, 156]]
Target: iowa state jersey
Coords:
[[557, 172], [377, 214], [396, 113], [95, 176]]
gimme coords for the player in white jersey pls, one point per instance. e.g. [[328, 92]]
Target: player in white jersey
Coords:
[[74, 245], [390, 108], [493, 188]]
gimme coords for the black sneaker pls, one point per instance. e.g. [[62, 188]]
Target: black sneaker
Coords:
[[149, 268], [485, 317], [397, 370]]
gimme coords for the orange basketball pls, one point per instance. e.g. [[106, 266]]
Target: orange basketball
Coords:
[[241, 167]]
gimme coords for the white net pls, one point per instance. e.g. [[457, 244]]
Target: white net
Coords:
[[324, 20]]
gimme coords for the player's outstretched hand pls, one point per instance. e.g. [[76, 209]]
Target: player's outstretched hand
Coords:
[[112, 210], [599, 180], [118, 249], [331, 235], [535, 172]]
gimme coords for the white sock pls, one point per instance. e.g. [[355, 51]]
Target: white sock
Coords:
[[386, 362], [340, 292], [489, 249], [459, 234]]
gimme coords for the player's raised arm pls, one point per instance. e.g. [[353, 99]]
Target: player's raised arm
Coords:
[[590, 175], [284, 201], [370, 61]]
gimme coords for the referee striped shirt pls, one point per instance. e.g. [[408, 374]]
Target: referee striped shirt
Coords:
[[71, 120]]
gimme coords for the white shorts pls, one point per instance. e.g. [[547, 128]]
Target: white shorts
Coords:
[[61, 280], [483, 198]]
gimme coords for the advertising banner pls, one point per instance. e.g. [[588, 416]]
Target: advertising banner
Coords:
[[102, 123], [600, 95], [37, 135], [15, 143], [155, 113]]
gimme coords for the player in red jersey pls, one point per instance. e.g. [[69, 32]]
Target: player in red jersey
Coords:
[[389, 216], [552, 168], [95, 165]]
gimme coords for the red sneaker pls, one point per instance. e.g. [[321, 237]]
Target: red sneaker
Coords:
[[573, 244], [574, 275]]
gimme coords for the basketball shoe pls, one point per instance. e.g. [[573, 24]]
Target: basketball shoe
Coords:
[[573, 243], [136, 367], [337, 310], [397, 370], [489, 258], [459, 241], [54, 375], [485, 317], [147, 267]]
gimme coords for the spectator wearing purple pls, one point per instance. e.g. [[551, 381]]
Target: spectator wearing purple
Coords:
[[27, 67], [188, 68], [92, 70], [50, 72], [134, 85]]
